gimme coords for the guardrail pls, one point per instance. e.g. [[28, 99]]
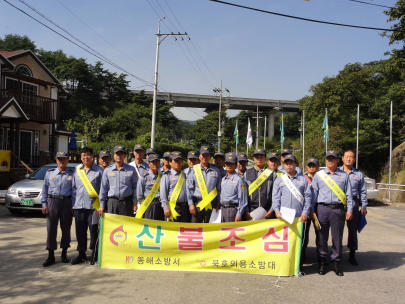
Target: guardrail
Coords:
[[389, 189]]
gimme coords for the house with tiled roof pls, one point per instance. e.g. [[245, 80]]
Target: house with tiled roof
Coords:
[[29, 110]]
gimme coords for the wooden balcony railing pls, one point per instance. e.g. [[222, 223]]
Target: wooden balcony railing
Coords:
[[37, 108]]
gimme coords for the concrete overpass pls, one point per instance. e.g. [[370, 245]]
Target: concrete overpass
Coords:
[[210, 103]]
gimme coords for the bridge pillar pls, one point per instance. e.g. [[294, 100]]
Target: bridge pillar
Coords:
[[271, 123]]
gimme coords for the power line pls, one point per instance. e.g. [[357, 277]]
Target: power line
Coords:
[[370, 3], [305, 19], [138, 78], [111, 43], [194, 112]]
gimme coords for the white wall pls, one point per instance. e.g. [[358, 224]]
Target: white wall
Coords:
[[62, 143]]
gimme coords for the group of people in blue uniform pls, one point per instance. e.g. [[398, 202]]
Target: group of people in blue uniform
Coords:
[[329, 198]]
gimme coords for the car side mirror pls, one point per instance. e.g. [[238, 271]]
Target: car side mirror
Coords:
[[27, 175]]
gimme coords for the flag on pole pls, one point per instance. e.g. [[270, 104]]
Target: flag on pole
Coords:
[[236, 134], [282, 130], [325, 128], [249, 138]]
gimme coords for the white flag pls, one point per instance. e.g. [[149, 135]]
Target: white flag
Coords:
[[249, 139]]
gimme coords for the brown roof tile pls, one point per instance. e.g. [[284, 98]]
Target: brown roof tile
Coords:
[[12, 53]]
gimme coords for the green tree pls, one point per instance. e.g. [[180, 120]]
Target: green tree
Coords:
[[16, 42]]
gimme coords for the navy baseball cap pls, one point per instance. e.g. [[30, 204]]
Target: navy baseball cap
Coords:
[[231, 158], [259, 152], [242, 157], [166, 155], [176, 155], [61, 154], [290, 157], [150, 151], [332, 153], [192, 154], [219, 154], [120, 148], [139, 147], [205, 149], [313, 160], [285, 151], [273, 155], [153, 157], [104, 153]]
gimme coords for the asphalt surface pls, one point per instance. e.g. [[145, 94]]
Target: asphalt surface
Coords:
[[380, 277]]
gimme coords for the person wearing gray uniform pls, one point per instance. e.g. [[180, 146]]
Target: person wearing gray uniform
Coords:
[[139, 165], [219, 162], [192, 159], [273, 160], [242, 164], [166, 162], [149, 151], [233, 200], [330, 211], [212, 179], [167, 186], [82, 205], [56, 202], [144, 187], [281, 167], [118, 186], [104, 159], [359, 193]]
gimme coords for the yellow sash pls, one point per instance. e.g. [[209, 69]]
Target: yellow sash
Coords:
[[206, 197], [256, 184], [333, 186], [175, 196], [279, 173], [146, 202], [89, 187]]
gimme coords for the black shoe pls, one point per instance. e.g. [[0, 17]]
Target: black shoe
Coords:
[[64, 256], [49, 261], [79, 259], [352, 258], [336, 269], [321, 269]]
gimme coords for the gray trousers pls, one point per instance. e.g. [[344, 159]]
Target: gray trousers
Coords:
[[228, 214], [201, 216], [58, 210], [335, 220], [84, 221], [352, 242], [120, 207], [154, 211], [184, 211]]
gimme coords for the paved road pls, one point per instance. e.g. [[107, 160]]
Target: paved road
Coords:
[[380, 277]]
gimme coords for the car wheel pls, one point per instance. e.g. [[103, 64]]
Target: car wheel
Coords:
[[15, 211]]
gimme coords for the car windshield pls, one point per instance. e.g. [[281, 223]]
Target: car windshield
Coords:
[[40, 173]]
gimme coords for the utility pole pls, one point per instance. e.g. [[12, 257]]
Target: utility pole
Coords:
[[389, 172], [358, 130], [159, 41], [264, 136], [219, 90], [303, 139]]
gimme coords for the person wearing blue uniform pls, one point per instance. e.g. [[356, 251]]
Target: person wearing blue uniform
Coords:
[[359, 194], [82, 205], [242, 164], [281, 167], [192, 159], [145, 185], [330, 211], [233, 200], [138, 163], [273, 161], [167, 186], [118, 186], [166, 162], [104, 159], [219, 162], [56, 202], [150, 151], [212, 180]]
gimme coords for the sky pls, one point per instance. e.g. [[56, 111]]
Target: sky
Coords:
[[256, 55]]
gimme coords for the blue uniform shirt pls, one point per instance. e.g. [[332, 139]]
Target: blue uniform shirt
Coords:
[[116, 183], [80, 197], [323, 194], [234, 192], [145, 185], [222, 172], [57, 183], [167, 184], [358, 186], [282, 196], [187, 171], [143, 167], [212, 180]]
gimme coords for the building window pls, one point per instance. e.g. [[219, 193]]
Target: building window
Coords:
[[23, 69], [12, 84], [29, 88]]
